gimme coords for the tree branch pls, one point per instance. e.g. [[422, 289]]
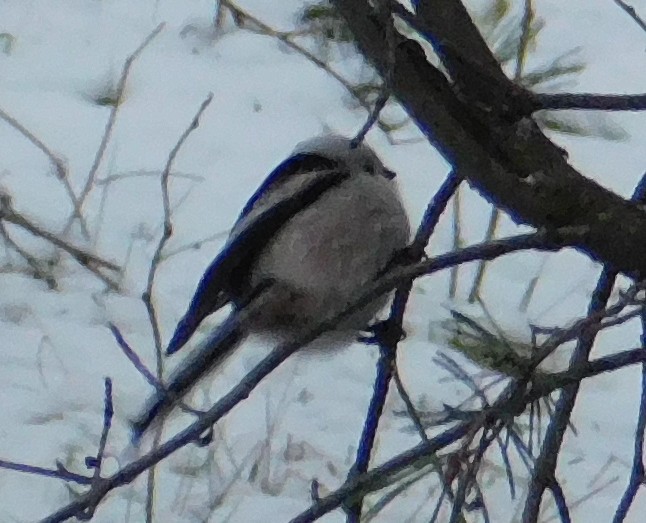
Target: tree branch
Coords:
[[397, 276], [388, 341], [418, 456], [590, 101], [545, 467], [479, 124]]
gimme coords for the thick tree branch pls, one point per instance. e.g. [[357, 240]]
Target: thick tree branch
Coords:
[[478, 124]]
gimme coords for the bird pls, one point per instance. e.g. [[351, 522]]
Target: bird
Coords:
[[325, 222]]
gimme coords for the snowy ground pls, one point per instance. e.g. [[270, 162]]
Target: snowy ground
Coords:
[[295, 427]]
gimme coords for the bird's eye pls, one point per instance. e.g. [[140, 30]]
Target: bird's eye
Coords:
[[369, 168]]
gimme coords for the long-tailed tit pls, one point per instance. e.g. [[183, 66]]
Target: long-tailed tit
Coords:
[[322, 226]]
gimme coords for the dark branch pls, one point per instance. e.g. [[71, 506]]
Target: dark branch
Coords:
[[479, 123], [599, 102], [544, 470], [384, 475], [59, 473], [632, 13], [539, 240], [388, 344]]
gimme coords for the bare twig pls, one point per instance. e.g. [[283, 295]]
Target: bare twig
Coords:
[[525, 38], [59, 165], [37, 270], [371, 512], [637, 473], [59, 473], [436, 463], [457, 241], [135, 359], [547, 459], [410, 407], [167, 232], [88, 260], [194, 245], [381, 9], [143, 370], [89, 182], [154, 266], [632, 13], [286, 38], [108, 412], [95, 462], [243, 389], [389, 338], [478, 280], [468, 479], [142, 174], [373, 117], [168, 226], [560, 501]]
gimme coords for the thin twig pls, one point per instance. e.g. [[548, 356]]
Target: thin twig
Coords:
[[546, 462], [525, 39], [456, 243], [632, 13], [285, 38], [166, 234], [373, 117], [143, 370], [637, 473], [167, 227], [108, 412], [59, 473], [560, 501], [382, 10], [89, 182], [390, 337], [410, 407], [95, 462], [59, 165], [468, 478], [88, 260], [419, 426], [194, 245], [142, 174], [37, 270], [135, 359], [504, 454], [154, 266], [244, 388]]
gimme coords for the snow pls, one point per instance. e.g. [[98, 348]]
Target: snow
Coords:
[[295, 427]]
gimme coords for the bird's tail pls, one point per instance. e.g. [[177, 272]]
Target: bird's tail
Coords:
[[208, 356]]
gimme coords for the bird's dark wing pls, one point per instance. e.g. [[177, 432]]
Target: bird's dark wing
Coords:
[[227, 274]]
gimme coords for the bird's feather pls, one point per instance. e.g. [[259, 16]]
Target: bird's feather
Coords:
[[225, 277]]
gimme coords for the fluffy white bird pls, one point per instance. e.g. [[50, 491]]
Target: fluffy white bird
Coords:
[[326, 222]]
